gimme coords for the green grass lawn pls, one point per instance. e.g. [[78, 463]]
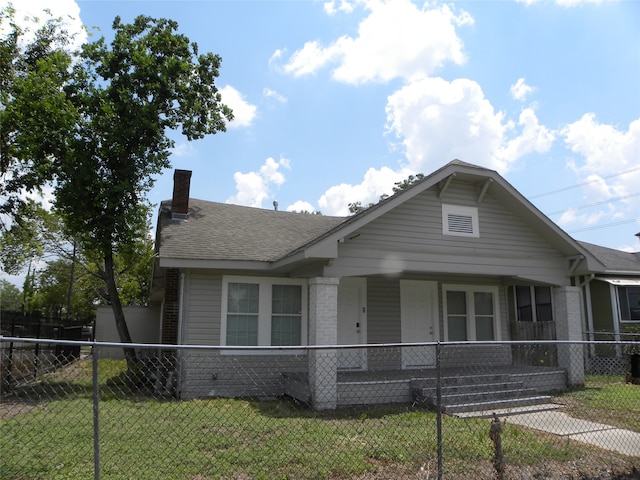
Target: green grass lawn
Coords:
[[52, 437], [605, 399]]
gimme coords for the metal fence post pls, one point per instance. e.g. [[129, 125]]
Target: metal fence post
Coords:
[[96, 414], [439, 411]]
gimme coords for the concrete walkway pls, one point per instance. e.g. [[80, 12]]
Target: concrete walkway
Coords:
[[598, 434]]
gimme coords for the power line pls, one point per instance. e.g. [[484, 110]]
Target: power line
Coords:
[[577, 185], [604, 202], [606, 225]]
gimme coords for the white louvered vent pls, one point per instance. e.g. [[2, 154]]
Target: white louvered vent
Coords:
[[460, 224], [460, 221]]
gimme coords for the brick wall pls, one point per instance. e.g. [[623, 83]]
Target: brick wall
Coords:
[[181, 186], [171, 308]]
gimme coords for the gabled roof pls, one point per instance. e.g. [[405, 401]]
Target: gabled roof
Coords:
[[616, 262], [486, 179], [217, 232]]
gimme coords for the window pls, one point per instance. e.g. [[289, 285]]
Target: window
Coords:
[[457, 316], [483, 304], [533, 304], [242, 314], [460, 221], [286, 319], [471, 313], [263, 311], [629, 298]]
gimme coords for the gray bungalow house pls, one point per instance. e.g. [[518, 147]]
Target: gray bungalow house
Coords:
[[459, 256], [612, 300]]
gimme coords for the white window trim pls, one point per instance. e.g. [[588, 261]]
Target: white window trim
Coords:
[[471, 324], [471, 212], [264, 313], [619, 307]]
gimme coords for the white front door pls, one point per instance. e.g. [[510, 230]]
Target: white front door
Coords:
[[352, 323], [419, 321]]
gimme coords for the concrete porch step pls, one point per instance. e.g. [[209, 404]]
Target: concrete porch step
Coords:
[[471, 388], [506, 412], [486, 395], [490, 406]]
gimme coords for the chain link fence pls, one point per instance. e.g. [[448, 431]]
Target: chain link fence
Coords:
[[502, 410]]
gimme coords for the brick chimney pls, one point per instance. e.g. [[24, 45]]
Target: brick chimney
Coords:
[[180, 200]]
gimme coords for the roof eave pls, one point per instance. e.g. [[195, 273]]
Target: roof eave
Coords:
[[203, 264]]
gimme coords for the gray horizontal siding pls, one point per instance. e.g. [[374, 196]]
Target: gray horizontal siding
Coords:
[[410, 238], [202, 309], [211, 374]]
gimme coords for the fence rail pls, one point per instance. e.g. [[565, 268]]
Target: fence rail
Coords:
[[435, 410]]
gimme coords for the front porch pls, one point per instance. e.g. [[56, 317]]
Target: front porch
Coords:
[[462, 389]]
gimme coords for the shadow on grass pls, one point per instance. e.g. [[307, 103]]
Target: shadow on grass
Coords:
[[287, 407]]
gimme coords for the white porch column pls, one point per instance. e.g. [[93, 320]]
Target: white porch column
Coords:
[[323, 330], [569, 326]]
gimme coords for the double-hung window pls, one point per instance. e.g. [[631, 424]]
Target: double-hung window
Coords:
[[263, 311], [471, 313], [286, 314], [242, 313]]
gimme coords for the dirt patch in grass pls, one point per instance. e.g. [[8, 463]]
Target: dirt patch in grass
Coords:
[[12, 409]]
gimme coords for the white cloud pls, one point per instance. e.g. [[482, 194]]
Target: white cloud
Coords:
[[438, 121], [396, 40], [520, 90], [269, 93], [67, 10], [254, 187], [243, 112], [564, 3], [301, 206], [533, 138], [312, 57], [336, 200], [602, 145], [183, 149], [588, 219], [333, 7], [608, 162]]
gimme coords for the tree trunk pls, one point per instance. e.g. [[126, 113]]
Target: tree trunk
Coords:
[[118, 313]]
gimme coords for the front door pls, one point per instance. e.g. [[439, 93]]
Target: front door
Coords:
[[419, 321], [352, 323]]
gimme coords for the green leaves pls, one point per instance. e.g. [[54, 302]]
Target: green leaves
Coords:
[[129, 93], [35, 113], [96, 128]]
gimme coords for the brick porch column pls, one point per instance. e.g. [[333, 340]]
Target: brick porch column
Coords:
[[569, 326], [323, 330]]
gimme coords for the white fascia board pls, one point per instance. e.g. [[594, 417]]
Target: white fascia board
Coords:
[[621, 281], [213, 264]]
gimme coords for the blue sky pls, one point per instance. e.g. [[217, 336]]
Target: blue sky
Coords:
[[335, 101]]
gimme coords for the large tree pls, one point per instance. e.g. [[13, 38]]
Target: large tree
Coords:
[[101, 129], [130, 94], [36, 115]]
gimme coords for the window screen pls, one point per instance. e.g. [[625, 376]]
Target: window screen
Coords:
[[242, 314]]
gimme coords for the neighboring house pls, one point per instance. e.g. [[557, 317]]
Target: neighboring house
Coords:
[[612, 299], [459, 256]]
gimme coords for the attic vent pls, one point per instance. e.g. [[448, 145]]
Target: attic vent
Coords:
[[460, 221]]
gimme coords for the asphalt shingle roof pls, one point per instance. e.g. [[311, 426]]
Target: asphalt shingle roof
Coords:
[[615, 260], [219, 231]]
